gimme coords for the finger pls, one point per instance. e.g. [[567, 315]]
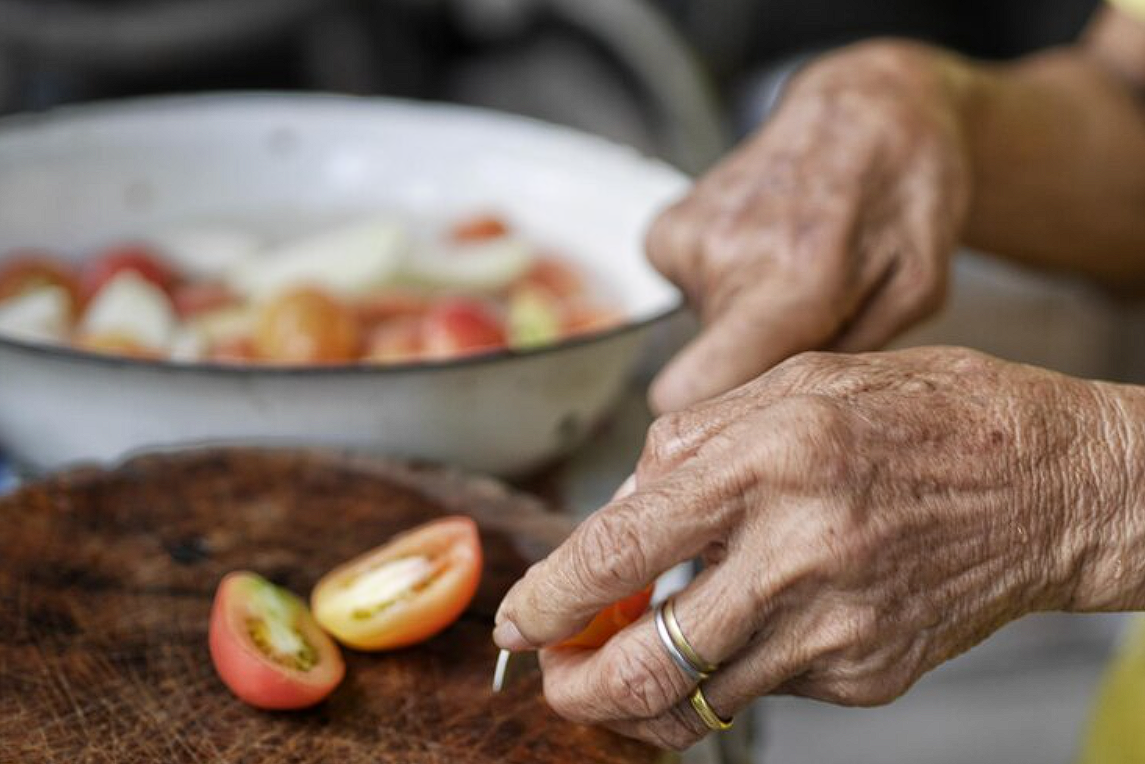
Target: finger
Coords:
[[901, 303], [757, 331], [775, 660], [618, 551], [673, 244], [633, 676]]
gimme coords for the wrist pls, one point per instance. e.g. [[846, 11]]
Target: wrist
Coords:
[[1101, 544]]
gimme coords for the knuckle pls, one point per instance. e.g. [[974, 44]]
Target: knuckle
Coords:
[[665, 439], [637, 685], [610, 552], [665, 238]]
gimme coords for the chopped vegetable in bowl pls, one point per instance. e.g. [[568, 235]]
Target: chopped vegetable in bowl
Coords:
[[364, 292]]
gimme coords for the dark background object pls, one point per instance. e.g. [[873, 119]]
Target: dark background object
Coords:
[[616, 67]]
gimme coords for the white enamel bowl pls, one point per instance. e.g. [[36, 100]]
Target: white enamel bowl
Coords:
[[75, 178]]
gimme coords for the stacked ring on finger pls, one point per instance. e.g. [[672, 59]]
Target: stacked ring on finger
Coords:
[[677, 645]]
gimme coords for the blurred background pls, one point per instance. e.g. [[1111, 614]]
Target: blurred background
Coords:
[[682, 79]]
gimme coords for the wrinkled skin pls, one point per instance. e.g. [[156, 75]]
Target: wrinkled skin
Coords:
[[832, 228], [864, 519]]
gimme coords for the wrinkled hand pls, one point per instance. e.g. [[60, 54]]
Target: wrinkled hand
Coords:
[[863, 518], [831, 229]]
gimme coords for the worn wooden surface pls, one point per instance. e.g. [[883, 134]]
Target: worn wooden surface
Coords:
[[106, 581]]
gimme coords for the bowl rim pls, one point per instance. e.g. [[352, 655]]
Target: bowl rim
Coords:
[[111, 108]]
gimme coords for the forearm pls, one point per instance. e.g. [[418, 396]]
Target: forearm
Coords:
[[1057, 151]]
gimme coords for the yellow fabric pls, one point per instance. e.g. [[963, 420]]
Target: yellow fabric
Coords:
[[1117, 729], [1133, 7]]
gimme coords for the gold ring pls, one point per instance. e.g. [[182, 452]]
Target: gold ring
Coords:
[[706, 713], [681, 642]]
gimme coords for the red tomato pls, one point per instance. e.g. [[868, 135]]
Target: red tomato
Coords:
[[267, 648], [194, 298], [459, 326], [127, 257], [611, 620], [24, 271], [396, 340], [405, 591], [306, 326], [556, 277], [479, 228]]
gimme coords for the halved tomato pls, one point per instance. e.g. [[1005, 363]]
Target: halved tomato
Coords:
[[611, 621], [405, 591], [267, 648]]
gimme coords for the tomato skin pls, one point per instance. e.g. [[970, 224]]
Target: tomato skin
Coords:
[[479, 228], [25, 270], [460, 326], [452, 542], [556, 277], [127, 257], [194, 298], [247, 671], [396, 341], [611, 621], [306, 326], [376, 309]]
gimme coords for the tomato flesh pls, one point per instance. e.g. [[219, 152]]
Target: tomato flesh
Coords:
[[405, 591], [267, 648], [611, 621]]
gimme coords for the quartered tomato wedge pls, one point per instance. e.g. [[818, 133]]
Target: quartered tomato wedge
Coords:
[[267, 648], [27, 271], [404, 592], [137, 258], [611, 621], [307, 326], [459, 327]]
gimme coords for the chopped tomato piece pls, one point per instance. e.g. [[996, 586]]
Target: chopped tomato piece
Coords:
[[479, 228], [267, 648], [405, 591], [138, 258], [194, 298], [611, 621], [458, 327], [556, 277], [396, 341], [378, 308], [306, 326], [28, 270]]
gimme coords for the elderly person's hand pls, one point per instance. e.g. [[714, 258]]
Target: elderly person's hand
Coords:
[[831, 229], [863, 519]]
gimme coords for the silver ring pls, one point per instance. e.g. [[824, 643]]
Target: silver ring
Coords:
[[678, 658]]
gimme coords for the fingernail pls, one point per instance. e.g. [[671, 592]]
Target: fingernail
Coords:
[[508, 637]]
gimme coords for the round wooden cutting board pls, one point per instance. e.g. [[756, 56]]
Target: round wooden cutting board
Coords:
[[106, 582]]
